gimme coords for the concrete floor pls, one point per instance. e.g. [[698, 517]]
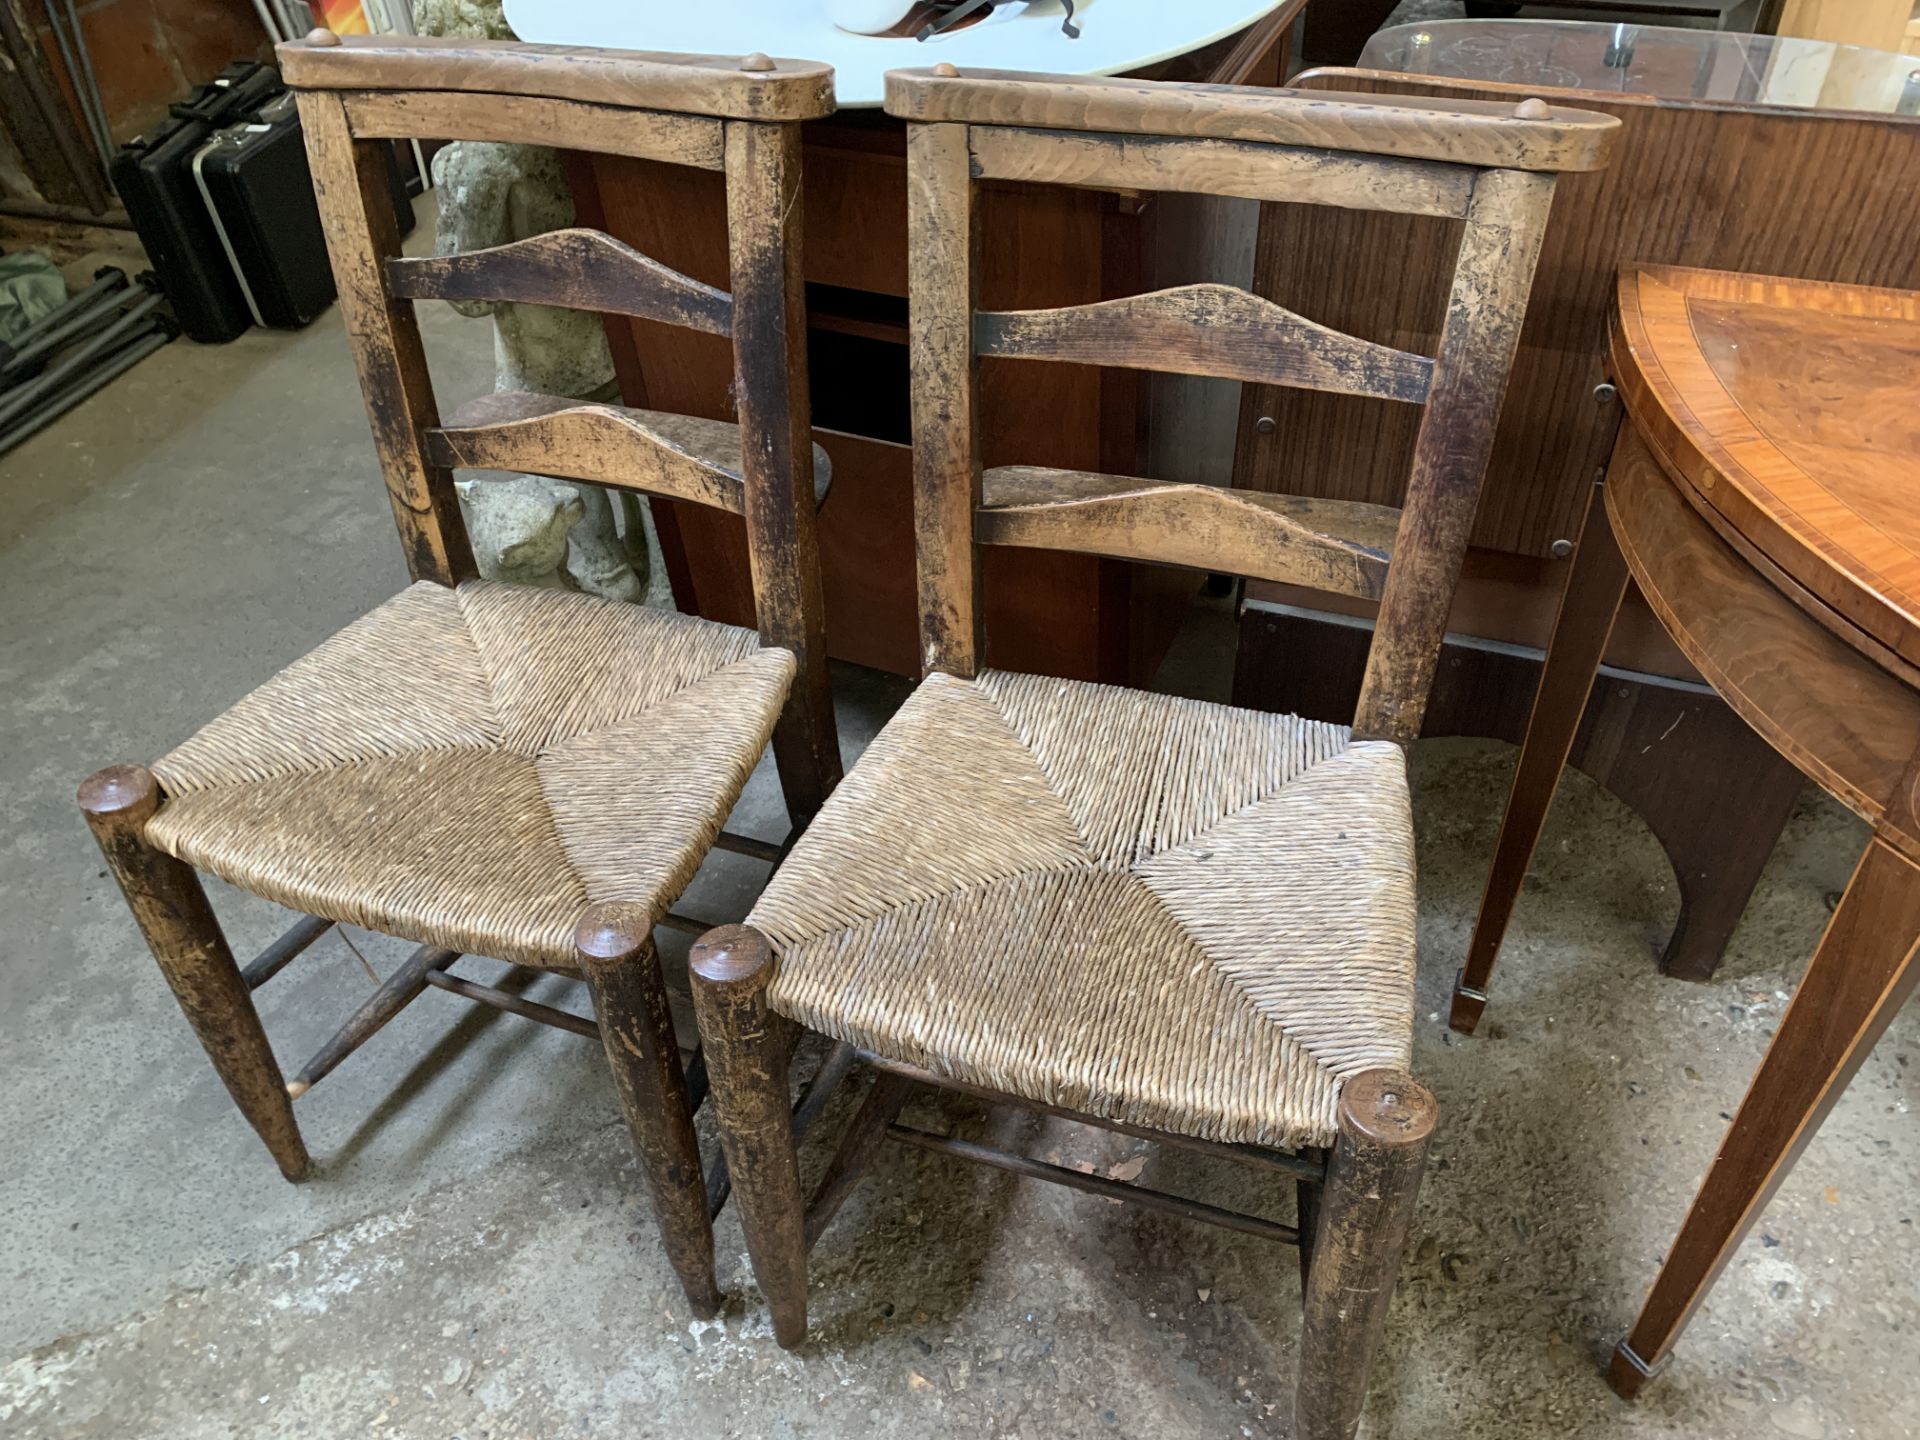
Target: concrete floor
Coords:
[[472, 1257]]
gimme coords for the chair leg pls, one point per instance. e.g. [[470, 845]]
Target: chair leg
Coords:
[[185, 938], [614, 944], [747, 1055], [1366, 1211], [1306, 1195]]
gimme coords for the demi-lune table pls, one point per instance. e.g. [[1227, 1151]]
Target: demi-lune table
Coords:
[[1762, 495]]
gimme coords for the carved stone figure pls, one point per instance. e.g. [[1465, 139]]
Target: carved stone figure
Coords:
[[492, 195]]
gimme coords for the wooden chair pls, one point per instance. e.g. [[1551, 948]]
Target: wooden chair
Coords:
[[533, 775], [1164, 917]]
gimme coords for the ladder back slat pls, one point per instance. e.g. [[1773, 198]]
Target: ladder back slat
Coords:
[[674, 455], [1337, 545], [1222, 167], [575, 269], [1216, 330], [525, 120], [1466, 132], [715, 85]]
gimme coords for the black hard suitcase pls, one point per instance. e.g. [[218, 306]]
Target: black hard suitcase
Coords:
[[153, 177], [254, 182]]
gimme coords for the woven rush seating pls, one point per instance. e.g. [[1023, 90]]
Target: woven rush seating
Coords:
[[1153, 910], [474, 766]]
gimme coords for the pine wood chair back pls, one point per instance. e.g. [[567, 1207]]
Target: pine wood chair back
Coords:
[[1490, 166], [737, 116]]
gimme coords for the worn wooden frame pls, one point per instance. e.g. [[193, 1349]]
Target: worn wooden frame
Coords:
[[1492, 168], [737, 116]]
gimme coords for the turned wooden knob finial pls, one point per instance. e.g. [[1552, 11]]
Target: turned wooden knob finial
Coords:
[[732, 955], [1387, 1108], [320, 35], [611, 932], [127, 792], [946, 70], [757, 63], [1534, 109]]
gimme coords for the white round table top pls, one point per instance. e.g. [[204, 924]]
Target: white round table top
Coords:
[[1115, 35]]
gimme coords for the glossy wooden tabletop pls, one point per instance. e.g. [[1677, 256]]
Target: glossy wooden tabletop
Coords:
[[1790, 410]]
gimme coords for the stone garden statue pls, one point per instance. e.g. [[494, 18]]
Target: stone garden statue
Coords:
[[531, 529]]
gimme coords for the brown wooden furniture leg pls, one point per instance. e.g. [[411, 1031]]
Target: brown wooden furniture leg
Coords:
[[172, 912], [1595, 586], [1366, 1211], [1861, 974], [622, 969], [747, 1054], [1719, 829]]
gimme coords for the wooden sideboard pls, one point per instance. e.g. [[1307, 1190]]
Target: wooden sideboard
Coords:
[[1071, 615]]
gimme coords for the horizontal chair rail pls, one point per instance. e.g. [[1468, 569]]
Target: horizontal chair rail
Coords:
[[512, 1004], [1530, 136], [646, 450], [1217, 330], [1095, 1184], [399, 990], [1339, 545], [749, 845], [1221, 167], [277, 956], [691, 140], [686, 924], [650, 451], [575, 269], [718, 85], [1309, 1165]]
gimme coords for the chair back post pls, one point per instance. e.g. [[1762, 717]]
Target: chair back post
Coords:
[[1490, 166], [1493, 276], [362, 233], [740, 117], [943, 254], [765, 220]]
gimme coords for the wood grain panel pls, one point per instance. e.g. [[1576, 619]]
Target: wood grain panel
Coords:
[[575, 269], [1846, 724], [1787, 406], [1788, 193], [1217, 330]]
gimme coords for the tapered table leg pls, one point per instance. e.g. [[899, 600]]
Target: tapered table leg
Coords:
[[1861, 974], [1587, 608]]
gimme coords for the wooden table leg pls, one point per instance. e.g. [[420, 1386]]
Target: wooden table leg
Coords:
[[1861, 974], [1588, 605]]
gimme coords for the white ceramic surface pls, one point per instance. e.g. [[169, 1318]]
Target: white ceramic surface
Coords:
[[1115, 35]]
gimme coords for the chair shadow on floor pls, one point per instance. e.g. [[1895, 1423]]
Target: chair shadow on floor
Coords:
[[479, 1022]]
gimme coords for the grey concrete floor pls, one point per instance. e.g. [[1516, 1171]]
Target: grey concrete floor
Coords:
[[473, 1258]]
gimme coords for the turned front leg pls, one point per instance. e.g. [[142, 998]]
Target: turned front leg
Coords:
[[614, 945], [747, 1052], [180, 929], [1366, 1212]]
